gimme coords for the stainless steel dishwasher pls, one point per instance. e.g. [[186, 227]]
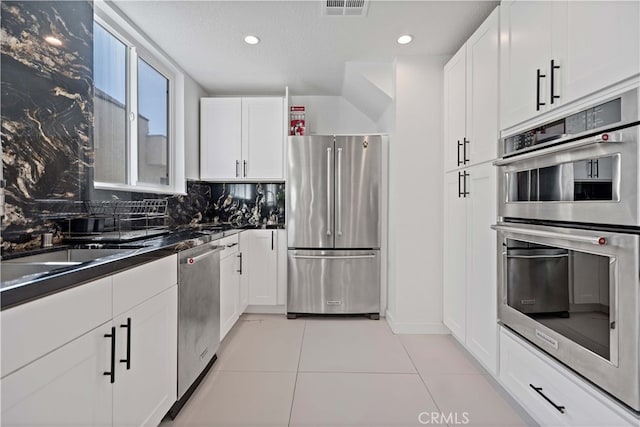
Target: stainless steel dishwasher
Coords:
[[198, 317]]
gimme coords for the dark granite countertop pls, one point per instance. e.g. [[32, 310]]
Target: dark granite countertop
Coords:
[[30, 287]]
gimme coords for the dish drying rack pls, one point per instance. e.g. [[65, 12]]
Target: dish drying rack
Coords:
[[109, 220], [127, 220]]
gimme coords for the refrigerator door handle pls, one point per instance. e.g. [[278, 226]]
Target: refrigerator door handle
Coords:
[[328, 191], [367, 256], [339, 195]]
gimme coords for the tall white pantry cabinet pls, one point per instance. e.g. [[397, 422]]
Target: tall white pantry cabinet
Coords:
[[471, 135]]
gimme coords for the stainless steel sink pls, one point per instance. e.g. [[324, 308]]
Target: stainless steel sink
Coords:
[[33, 266], [30, 270], [66, 255]]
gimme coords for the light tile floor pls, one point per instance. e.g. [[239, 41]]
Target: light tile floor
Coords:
[[317, 372]]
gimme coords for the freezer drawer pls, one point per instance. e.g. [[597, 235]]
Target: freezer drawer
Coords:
[[333, 281]]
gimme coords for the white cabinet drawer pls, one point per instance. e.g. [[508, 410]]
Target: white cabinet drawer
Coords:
[[522, 367], [31, 330], [131, 287]]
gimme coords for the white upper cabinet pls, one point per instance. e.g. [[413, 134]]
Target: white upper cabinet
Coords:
[[556, 52], [455, 102], [600, 47], [525, 54], [242, 138], [262, 138], [471, 99], [220, 138], [482, 91]]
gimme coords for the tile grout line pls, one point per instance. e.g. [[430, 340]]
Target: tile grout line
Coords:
[[420, 376], [295, 383]]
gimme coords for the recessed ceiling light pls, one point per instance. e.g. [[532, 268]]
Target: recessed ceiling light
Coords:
[[53, 40], [251, 40], [405, 39]]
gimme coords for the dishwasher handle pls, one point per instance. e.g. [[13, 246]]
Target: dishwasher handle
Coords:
[[190, 260]]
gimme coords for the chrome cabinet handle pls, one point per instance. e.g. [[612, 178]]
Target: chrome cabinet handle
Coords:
[[240, 256], [328, 191], [598, 240], [459, 145], [339, 197], [237, 166], [244, 168], [539, 391]]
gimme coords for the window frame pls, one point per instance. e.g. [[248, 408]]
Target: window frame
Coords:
[[141, 47]]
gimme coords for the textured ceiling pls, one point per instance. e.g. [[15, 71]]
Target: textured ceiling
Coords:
[[300, 47]]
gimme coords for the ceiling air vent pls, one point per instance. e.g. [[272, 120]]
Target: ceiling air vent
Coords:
[[345, 7]]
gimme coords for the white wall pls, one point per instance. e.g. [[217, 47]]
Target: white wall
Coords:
[[192, 94], [416, 197], [387, 122], [333, 115]]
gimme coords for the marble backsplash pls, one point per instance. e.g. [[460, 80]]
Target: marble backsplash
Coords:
[[236, 204], [47, 108]]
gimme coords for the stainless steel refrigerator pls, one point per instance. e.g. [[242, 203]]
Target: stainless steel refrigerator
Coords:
[[333, 222]]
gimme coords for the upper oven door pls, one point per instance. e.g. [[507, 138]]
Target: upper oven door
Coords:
[[589, 180], [574, 294]]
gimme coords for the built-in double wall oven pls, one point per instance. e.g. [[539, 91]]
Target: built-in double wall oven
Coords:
[[569, 242]]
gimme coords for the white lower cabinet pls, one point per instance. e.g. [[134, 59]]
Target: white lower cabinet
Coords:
[[282, 267], [231, 265], [262, 266], [470, 282], [143, 363], [121, 373], [550, 393], [67, 387], [265, 267]]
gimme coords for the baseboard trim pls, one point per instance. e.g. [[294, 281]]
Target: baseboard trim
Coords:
[[400, 328], [265, 309]]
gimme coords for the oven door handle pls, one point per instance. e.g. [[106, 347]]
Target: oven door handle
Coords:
[[600, 138], [597, 240]]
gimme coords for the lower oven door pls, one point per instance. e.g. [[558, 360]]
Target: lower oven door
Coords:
[[575, 294], [333, 281]]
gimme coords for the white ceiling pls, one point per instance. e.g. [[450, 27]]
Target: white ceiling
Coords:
[[300, 47]]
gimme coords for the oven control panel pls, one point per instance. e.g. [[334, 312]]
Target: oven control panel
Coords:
[[590, 119]]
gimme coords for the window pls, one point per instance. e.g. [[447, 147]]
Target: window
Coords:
[[136, 113]]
